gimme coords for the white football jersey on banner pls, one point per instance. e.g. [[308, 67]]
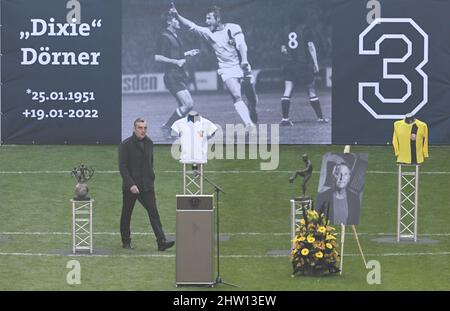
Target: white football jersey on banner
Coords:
[[194, 133]]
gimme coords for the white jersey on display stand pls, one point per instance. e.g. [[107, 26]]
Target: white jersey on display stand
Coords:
[[194, 132], [227, 55]]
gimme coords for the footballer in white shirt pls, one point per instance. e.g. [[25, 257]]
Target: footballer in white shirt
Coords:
[[228, 42]]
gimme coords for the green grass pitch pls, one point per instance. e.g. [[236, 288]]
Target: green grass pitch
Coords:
[[35, 222]]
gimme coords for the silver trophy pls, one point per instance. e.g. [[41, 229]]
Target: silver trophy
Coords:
[[82, 174]]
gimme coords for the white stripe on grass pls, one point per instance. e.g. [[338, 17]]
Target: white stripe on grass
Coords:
[[222, 256]]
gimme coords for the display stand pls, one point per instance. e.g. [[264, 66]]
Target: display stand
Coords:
[[82, 226], [407, 203]]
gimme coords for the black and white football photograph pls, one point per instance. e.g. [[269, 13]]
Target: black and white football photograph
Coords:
[[235, 63]]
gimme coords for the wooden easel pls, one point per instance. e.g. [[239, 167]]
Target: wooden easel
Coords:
[[347, 150]]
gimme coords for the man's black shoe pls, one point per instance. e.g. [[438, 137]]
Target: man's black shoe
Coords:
[[127, 246], [163, 245]]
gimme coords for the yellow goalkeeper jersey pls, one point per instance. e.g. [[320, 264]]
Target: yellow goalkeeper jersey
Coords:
[[402, 141]]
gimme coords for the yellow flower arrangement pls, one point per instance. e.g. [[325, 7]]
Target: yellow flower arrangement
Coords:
[[315, 251]]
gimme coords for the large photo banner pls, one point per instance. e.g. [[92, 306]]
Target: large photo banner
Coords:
[[61, 69], [390, 58]]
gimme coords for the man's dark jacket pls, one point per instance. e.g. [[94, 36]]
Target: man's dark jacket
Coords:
[[136, 163]]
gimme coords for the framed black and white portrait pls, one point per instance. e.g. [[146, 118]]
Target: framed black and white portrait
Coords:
[[341, 185]]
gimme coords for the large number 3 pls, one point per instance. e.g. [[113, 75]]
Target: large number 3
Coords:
[[375, 50]]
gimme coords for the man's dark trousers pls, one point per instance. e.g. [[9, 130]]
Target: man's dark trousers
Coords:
[[147, 199]]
